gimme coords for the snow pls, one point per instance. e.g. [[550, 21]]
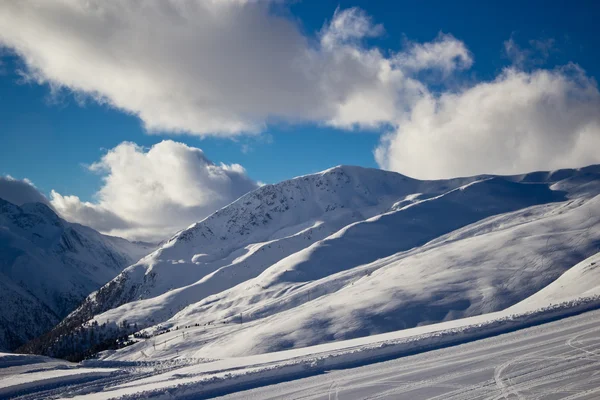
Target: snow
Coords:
[[21, 383], [240, 241], [582, 279], [479, 269], [9, 360], [295, 287], [551, 361], [20, 374], [233, 374]]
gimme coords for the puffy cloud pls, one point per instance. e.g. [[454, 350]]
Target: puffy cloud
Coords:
[[20, 192], [445, 53], [231, 67], [217, 67], [348, 26], [381, 88], [517, 123], [148, 194]]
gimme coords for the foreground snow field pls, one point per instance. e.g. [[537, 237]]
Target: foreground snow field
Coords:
[[559, 360], [554, 360]]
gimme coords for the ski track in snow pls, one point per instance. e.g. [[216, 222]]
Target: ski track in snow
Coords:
[[552, 361]]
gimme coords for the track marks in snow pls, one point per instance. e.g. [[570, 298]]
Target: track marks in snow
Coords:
[[555, 360], [558, 360], [576, 343], [533, 370]]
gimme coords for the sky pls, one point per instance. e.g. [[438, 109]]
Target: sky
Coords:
[[140, 118]]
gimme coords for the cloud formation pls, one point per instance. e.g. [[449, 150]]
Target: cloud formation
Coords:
[[519, 122], [149, 194], [445, 53], [232, 67], [19, 191], [536, 53], [217, 67]]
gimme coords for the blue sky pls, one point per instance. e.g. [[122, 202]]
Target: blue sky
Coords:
[[50, 138]]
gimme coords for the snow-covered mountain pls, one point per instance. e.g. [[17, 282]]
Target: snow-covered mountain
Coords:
[[48, 266], [243, 239], [350, 252]]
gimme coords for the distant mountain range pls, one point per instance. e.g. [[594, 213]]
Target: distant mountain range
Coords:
[[48, 266]]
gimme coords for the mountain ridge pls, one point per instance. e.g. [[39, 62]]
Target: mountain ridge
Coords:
[[261, 253]]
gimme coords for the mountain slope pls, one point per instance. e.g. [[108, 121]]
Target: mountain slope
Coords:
[[241, 240], [48, 266], [355, 244], [503, 263], [351, 252]]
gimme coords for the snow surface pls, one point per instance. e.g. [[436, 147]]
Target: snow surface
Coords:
[[553, 361], [16, 384], [241, 240], [559, 358], [48, 266], [581, 280]]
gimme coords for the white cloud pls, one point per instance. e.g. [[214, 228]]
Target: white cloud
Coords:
[[517, 123], [445, 53], [515, 53], [380, 88], [149, 194], [216, 67], [349, 26], [19, 191], [231, 67]]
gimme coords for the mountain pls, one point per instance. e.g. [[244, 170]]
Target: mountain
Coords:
[[344, 253], [48, 266]]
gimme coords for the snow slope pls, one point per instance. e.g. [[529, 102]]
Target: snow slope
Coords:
[[582, 279], [21, 374], [241, 240], [354, 244], [501, 261], [351, 252], [48, 266]]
